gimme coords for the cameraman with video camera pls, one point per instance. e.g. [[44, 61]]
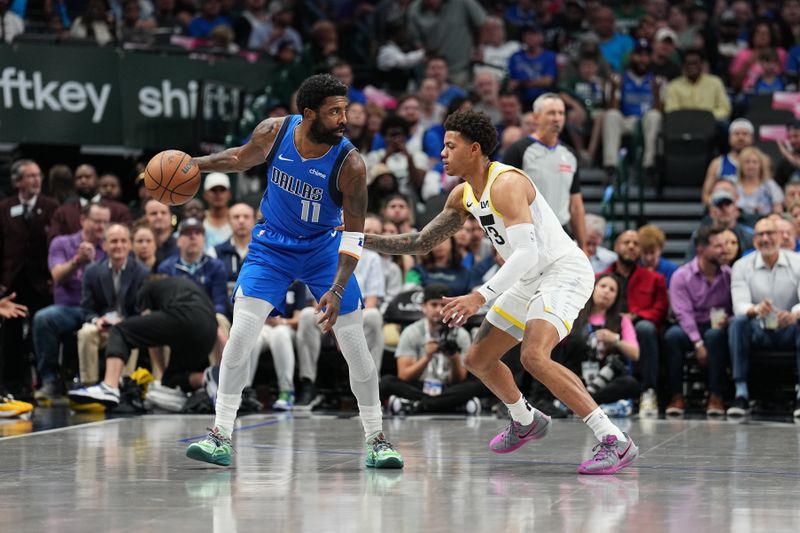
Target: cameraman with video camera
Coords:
[[431, 376]]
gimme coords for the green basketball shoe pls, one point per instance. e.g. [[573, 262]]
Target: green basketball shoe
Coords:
[[381, 453], [215, 449]]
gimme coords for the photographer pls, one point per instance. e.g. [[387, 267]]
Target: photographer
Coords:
[[431, 376], [601, 344]]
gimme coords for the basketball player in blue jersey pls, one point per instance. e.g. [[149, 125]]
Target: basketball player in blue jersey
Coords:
[[314, 176], [537, 293]]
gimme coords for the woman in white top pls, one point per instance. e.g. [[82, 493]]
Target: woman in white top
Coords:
[[759, 195]]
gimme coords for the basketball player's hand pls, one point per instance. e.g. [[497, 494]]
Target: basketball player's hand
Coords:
[[329, 306], [457, 310]]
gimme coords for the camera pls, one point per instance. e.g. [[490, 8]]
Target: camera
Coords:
[[613, 368], [448, 344]]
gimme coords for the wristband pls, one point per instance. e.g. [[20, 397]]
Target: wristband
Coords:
[[352, 244], [334, 291], [339, 286]]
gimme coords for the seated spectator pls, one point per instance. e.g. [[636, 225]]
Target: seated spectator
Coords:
[[487, 86], [732, 252], [279, 336], [144, 247], [431, 111], [494, 50], [510, 113], [787, 234], [726, 166], [254, 19], [242, 219], [405, 262], [635, 99], [770, 81], [95, 23], [209, 18], [217, 194], [600, 347], [68, 259], [357, 127], [343, 72], [700, 291], [585, 98], [398, 210], [109, 187], [613, 45], [745, 68], [67, 218], [759, 195], [533, 70], [169, 308], [790, 154], [723, 212], [697, 90], [600, 257], [159, 219], [381, 184], [436, 68], [652, 241], [406, 164], [108, 296], [11, 24], [442, 265], [664, 56], [431, 376], [191, 262], [60, 184], [131, 27], [645, 301], [764, 288], [395, 63], [390, 264]]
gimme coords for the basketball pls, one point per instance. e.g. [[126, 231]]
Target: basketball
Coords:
[[171, 179]]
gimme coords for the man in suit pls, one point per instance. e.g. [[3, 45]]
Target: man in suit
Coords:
[[109, 296], [67, 219], [24, 223]]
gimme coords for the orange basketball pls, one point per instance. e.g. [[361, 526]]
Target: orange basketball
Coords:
[[171, 178]]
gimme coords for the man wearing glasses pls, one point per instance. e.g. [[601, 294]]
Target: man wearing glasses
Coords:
[[765, 287]]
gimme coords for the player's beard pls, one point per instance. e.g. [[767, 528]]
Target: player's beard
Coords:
[[322, 135]]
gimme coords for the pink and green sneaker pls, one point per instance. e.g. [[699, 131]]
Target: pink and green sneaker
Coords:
[[611, 456]]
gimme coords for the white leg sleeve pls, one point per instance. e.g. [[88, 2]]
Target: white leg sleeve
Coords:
[[309, 343], [248, 318], [282, 348], [373, 331]]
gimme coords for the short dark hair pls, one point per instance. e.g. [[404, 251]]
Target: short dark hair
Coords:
[[394, 121], [474, 126], [316, 89], [436, 292], [87, 209], [704, 234], [694, 52]]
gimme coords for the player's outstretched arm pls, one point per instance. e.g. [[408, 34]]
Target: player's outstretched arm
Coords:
[[353, 186], [243, 157], [445, 225]]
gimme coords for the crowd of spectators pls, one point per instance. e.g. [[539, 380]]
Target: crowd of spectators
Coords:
[[599, 72]]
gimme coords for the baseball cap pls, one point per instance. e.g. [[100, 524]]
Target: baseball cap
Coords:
[[188, 224], [741, 124], [721, 196], [217, 179], [378, 170], [666, 33], [642, 45], [728, 17], [794, 178]]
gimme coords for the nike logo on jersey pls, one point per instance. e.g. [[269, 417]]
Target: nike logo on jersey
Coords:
[[469, 204], [284, 159], [488, 288]]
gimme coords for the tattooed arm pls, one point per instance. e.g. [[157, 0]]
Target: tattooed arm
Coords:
[[244, 157], [353, 186], [445, 225]]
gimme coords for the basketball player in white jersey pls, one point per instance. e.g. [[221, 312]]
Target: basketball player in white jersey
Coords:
[[538, 292]]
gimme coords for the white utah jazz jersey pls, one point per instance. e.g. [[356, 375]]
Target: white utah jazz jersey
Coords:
[[551, 239]]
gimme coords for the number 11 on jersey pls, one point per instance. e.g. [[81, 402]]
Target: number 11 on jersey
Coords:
[[313, 207]]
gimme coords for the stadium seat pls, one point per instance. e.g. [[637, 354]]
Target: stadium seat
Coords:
[[688, 137]]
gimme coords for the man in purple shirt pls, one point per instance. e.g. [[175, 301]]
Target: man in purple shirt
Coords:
[[68, 258], [698, 288]]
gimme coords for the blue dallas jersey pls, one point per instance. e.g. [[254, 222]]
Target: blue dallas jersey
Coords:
[[637, 95], [302, 197]]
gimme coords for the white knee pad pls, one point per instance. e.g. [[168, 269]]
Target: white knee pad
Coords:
[[248, 319], [349, 331]]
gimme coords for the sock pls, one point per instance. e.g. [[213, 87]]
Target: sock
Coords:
[[741, 390], [226, 407], [371, 419], [602, 426], [521, 411]]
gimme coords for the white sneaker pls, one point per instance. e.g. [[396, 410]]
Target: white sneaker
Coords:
[[648, 404], [100, 393], [473, 406], [165, 398]]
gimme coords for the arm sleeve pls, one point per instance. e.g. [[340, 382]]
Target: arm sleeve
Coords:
[[525, 255], [628, 332], [740, 290], [681, 301]]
